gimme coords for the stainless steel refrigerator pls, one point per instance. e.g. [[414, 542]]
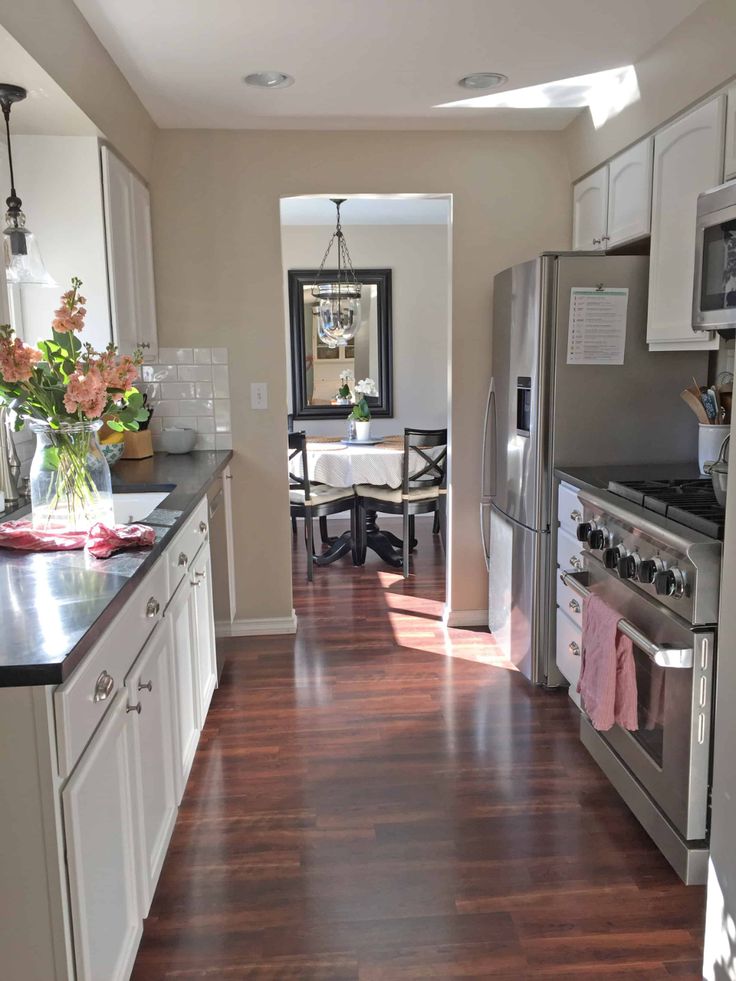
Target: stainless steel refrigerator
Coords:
[[543, 412]]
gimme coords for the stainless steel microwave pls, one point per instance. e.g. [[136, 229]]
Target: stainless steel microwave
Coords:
[[714, 286]]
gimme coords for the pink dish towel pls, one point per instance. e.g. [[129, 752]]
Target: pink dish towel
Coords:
[[607, 674], [99, 541]]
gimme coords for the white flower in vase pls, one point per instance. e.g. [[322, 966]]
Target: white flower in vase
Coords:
[[361, 414]]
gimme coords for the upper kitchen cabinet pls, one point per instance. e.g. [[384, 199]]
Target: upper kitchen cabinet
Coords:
[[129, 256], [688, 159], [613, 205], [590, 211], [730, 168], [630, 194]]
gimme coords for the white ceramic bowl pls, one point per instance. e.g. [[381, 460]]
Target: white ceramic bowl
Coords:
[[177, 440]]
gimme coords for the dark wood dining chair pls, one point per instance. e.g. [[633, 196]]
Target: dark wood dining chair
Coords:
[[314, 501], [423, 484]]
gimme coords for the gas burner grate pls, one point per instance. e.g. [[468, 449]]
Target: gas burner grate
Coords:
[[691, 503]]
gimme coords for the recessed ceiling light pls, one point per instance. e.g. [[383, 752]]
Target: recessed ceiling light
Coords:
[[269, 80], [483, 80]]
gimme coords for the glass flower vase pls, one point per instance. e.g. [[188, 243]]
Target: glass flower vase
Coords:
[[70, 478]]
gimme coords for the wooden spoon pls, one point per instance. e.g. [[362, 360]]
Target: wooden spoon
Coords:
[[696, 405]]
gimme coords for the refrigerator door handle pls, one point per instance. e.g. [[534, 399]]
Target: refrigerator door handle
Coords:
[[490, 416], [485, 531]]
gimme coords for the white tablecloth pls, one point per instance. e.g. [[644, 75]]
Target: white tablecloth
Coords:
[[342, 466]]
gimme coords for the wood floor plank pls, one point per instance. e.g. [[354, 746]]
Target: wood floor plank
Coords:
[[377, 798]]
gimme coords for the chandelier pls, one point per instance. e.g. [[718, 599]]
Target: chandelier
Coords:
[[339, 298]]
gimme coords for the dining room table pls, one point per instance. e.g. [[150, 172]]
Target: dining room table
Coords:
[[332, 461]]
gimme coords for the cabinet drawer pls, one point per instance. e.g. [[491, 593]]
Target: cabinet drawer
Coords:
[[568, 552], [184, 547], [82, 701], [569, 601], [569, 642], [569, 509]]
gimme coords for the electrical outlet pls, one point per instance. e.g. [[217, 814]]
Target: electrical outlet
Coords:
[[258, 395]]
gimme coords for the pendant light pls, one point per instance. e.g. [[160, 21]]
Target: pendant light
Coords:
[[23, 262], [339, 298]]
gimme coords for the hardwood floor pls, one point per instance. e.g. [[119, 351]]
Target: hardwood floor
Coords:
[[377, 798]]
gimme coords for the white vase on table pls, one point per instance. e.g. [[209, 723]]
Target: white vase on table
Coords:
[[362, 430]]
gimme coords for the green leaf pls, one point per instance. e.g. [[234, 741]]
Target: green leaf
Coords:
[[115, 425], [50, 458], [134, 400]]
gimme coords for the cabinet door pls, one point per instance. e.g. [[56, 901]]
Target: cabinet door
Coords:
[[630, 194], [102, 851], [730, 167], [147, 335], [181, 618], [204, 632], [590, 210], [149, 686], [120, 237], [688, 159]]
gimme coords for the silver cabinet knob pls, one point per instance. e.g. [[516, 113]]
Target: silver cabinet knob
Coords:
[[203, 527], [133, 708], [201, 575], [575, 562], [153, 608], [576, 516], [596, 241], [574, 606], [147, 686], [574, 648], [104, 687], [183, 559]]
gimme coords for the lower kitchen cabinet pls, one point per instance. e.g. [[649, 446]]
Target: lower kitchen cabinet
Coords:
[[103, 858], [204, 631], [181, 618], [152, 711]]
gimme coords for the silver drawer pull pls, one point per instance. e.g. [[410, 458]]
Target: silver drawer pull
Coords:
[[576, 516], [574, 606], [203, 527], [148, 686], [574, 648], [183, 559], [200, 575], [153, 608], [104, 687], [575, 562], [133, 708]]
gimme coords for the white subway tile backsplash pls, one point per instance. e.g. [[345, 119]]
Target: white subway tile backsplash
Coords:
[[219, 355], [205, 424], [221, 381], [159, 372], [178, 390], [195, 407], [176, 355], [223, 441], [203, 390], [202, 355], [205, 442], [222, 415], [167, 407], [195, 372]]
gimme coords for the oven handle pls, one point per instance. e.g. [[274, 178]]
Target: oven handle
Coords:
[[665, 657]]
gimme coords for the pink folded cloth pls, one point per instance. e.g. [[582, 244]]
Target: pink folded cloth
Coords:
[[607, 674], [99, 541]]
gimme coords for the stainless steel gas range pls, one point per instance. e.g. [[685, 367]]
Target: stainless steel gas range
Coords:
[[652, 550]]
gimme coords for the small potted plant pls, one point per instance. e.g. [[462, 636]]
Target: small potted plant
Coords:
[[361, 414], [344, 395]]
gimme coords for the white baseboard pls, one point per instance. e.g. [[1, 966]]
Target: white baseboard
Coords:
[[258, 627], [465, 618]]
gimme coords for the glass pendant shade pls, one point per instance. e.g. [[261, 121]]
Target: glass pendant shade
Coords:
[[339, 298], [339, 320], [23, 263]]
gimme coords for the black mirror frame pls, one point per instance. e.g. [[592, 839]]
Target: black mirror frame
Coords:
[[382, 406]]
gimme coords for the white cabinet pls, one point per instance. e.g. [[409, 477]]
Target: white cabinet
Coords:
[[688, 159], [150, 695], [590, 210], [102, 852], [730, 163], [204, 632], [181, 617], [129, 257], [630, 194]]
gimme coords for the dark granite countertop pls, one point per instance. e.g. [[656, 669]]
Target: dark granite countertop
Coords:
[[55, 605], [597, 478]]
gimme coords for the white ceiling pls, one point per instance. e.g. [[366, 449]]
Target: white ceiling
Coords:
[[47, 110], [365, 63], [366, 210]]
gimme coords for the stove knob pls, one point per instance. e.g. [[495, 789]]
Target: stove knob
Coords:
[[611, 556], [669, 582], [583, 530], [628, 566], [649, 569], [597, 538]]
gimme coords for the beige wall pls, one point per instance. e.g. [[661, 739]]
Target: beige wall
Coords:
[[215, 201], [418, 258], [691, 61], [62, 42]]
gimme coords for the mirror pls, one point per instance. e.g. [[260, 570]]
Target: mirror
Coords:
[[315, 367]]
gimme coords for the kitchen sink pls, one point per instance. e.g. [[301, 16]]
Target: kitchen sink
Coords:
[[137, 505]]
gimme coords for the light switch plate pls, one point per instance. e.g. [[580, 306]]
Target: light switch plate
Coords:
[[258, 395]]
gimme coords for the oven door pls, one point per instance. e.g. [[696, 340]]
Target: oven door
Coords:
[[714, 286], [669, 754]]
